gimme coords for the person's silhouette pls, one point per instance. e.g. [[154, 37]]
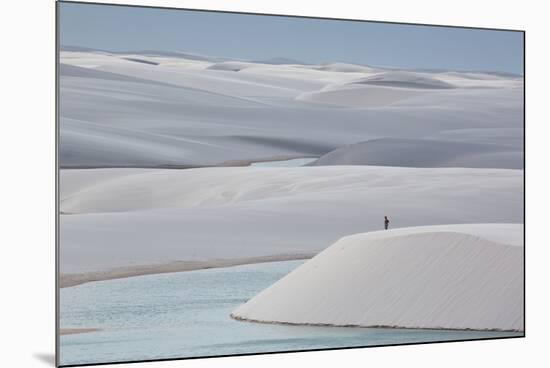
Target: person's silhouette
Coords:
[[386, 222]]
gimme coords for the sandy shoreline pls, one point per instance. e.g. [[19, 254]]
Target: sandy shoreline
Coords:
[[238, 318], [72, 331], [68, 280]]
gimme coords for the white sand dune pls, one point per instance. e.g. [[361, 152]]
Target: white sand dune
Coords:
[[451, 276], [183, 109], [127, 217], [424, 153], [86, 144]]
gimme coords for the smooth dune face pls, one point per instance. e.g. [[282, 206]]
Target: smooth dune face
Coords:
[[405, 80], [157, 109], [347, 68], [123, 190], [125, 217], [232, 66], [357, 95], [424, 153], [450, 276]]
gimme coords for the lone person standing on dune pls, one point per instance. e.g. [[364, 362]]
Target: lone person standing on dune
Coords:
[[386, 222]]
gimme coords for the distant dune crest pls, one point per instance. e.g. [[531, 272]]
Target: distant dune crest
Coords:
[[156, 107]]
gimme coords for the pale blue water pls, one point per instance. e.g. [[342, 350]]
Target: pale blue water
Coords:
[[285, 163], [186, 314]]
